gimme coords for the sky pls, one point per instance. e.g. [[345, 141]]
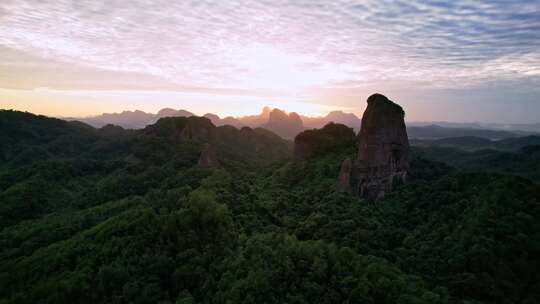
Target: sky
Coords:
[[459, 60]]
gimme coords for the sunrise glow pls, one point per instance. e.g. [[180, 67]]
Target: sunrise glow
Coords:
[[232, 57]]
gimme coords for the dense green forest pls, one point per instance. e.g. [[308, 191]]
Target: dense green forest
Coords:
[[128, 216]]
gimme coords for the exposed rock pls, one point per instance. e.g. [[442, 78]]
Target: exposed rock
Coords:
[[317, 141], [383, 154], [344, 179], [208, 158], [286, 126]]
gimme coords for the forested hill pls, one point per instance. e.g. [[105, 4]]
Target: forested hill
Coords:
[[176, 141], [117, 216], [48, 163]]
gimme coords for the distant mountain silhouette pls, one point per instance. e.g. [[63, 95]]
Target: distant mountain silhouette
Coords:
[[283, 124], [290, 125], [437, 132], [130, 119], [278, 121], [229, 120], [256, 120], [339, 117], [168, 112], [127, 119]]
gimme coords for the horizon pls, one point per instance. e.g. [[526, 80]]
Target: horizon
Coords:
[[155, 112], [452, 61], [302, 115]]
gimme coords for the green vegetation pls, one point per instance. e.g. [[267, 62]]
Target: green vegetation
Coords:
[[473, 143], [116, 216], [524, 162], [332, 137]]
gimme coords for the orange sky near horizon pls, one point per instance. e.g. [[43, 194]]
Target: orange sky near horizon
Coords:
[[58, 103]]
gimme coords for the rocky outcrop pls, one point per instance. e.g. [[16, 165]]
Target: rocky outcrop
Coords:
[[208, 158], [383, 153], [318, 141], [344, 179]]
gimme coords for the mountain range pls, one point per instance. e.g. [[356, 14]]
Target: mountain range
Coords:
[[288, 125]]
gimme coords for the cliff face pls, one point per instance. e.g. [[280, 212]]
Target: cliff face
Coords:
[[383, 154], [344, 178]]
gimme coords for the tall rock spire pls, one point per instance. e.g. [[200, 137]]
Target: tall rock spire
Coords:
[[383, 153]]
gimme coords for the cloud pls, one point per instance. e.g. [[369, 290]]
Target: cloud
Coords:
[[281, 45]]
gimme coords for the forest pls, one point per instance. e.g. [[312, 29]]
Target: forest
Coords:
[[112, 215]]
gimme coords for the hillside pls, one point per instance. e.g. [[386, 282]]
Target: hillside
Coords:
[[472, 143], [437, 132], [38, 148], [523, 162], [130, 216]]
